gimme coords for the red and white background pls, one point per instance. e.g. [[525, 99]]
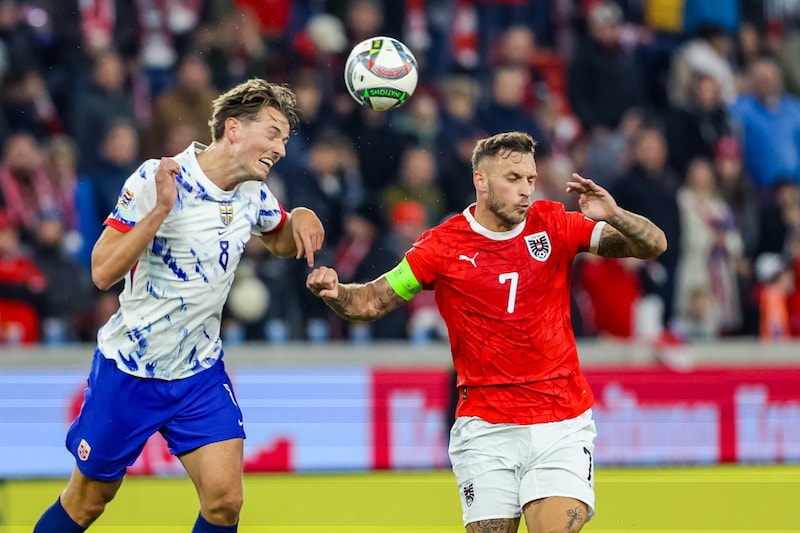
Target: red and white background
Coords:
[[360, 417]]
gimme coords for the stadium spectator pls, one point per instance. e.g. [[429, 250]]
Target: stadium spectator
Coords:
[[694, 129], [370, 246], [27, 190], [417, 181], [710, 249], [770, 120], [603, 77], [100, 103], [420, 121], [114, 163], [67, 302], [331, 187], [500, 273], [504, 110], [608, 151], [187, 102], [788, 63], [234, 49], [316, 116], [776, 283], [379, 148], [22, 286], [60, 160], [609, 290], [699, 320], [707, 53], [18, 40], [650, 188], [27, 105], [737, 190], [176, 238]]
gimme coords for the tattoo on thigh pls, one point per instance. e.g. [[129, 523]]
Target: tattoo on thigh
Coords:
[[575, 517], [494, 525]]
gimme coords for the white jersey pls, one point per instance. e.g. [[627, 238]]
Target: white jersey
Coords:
[[168, 323]]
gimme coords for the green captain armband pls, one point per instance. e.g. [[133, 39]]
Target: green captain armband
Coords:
[[403, 281]]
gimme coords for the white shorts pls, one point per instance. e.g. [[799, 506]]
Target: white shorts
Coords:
[[501, 467]]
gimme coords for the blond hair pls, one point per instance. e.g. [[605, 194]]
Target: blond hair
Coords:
[[246, 100]]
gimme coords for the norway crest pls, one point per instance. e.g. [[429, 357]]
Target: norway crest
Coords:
[[539, 245], [226, 212]]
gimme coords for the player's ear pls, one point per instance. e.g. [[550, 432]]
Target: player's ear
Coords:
[[232, 127], [479, 180]]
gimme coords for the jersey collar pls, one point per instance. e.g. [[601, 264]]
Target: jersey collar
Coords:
[[489, 234]]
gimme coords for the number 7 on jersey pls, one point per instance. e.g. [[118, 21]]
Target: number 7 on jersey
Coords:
[[513, 277]]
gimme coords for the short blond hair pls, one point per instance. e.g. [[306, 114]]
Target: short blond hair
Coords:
[[246, 100]]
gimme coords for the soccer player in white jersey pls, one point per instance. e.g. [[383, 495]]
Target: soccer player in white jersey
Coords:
[[523, 438], [176, 237]]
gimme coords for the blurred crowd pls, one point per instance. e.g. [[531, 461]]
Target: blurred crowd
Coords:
[[687, 111]]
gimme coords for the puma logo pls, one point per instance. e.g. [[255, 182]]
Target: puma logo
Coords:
[[463, 257]]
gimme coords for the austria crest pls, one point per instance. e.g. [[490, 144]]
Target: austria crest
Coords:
[[469, 493], [226, 211], [539, 245]]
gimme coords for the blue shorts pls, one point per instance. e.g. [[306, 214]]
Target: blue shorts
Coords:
[[120, 412]]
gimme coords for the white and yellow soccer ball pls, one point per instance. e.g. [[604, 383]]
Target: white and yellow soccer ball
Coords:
[[381, 73]]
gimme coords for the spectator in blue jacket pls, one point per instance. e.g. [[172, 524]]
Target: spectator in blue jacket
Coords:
[[770, 120]]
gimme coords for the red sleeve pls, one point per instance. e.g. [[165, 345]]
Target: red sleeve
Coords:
[[118, 225], [579, 231], [276, 229], [423, 258]]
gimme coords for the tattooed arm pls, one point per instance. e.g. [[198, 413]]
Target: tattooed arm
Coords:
[[362, 302], [626, 234], [630, 235]]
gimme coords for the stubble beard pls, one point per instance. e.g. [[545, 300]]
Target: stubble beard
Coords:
[[508, 216]]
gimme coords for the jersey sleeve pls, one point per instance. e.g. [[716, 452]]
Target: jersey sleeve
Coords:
[[271, 214], [583, 234], [423, 258], [136, 199]]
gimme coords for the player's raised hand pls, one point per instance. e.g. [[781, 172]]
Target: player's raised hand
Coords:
[[323, 282], [166, 191], [595, 202], [307, 232]]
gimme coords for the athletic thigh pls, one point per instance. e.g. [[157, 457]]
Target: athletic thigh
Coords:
[[556, 513], [216, 471], [485, 459], [206, 411], [559, 477], [85, 498], [119, 413]]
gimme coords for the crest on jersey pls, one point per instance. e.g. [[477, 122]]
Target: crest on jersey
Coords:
[[226, 211], [125, 199], [468, 490], [84, 450], [539, 245]]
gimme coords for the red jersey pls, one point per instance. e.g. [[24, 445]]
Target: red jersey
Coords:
[[505, 297]]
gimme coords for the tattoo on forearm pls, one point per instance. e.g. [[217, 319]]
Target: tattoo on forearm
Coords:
[[614, 246], [575, 516], [641, 237], [364, 302], [494, 525], [341, 305]]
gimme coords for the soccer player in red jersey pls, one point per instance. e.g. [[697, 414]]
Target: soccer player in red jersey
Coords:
[[524, 436]]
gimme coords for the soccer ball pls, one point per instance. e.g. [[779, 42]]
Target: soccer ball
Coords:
[[381, 73]]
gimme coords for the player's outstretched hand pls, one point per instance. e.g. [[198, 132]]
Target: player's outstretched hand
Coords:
[[323, 282], [308, 233], [166, 191], [595, 202]]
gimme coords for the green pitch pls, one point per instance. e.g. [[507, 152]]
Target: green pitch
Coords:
[[687, 499]]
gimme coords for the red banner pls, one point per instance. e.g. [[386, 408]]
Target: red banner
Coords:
[[746, 415]]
